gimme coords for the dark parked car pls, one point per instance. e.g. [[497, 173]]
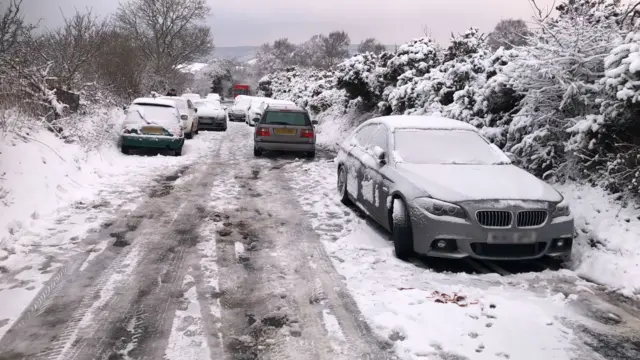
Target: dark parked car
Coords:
[[285, 128]]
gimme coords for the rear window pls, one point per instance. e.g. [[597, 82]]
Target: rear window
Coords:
[[286, 118], [142, 113]]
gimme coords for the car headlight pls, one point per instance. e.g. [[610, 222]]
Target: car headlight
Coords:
[[440, 208], [561, 209]]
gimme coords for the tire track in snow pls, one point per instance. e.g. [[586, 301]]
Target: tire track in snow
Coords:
[[315, 267], [187, 339], [158, 284]]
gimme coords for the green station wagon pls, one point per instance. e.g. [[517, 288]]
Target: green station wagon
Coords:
[[152, 123]]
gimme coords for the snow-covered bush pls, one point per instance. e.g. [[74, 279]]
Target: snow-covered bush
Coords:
[[362, 77], [610, 140], [453, 81], [309, 88], [559, 78], [417, 56]]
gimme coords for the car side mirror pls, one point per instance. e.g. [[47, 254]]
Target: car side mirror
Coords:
[[195, 110], [314, 122], [380, 154], [225, 107]]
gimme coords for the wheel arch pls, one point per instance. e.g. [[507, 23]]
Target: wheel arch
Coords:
[[394, 195]]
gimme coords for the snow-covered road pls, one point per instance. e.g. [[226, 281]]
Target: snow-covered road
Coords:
[[223, 255]]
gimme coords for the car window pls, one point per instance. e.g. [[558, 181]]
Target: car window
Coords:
[[286, 118], [363, 135], [379, 138], [461, 147], [152, 113]]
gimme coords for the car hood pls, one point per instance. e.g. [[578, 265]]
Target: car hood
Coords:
[[455, 183], [210, 112]]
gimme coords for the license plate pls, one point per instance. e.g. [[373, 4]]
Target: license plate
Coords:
[[205, 121], [511, 238], [285, 131], [152, 130]]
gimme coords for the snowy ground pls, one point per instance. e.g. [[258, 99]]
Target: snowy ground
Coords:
[[535, 315], [252, 253]]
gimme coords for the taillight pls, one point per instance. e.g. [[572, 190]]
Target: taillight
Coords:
[[306, 134], [262, 132]]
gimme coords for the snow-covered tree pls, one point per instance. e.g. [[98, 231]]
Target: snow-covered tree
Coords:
[[509, 33], [371, 45]]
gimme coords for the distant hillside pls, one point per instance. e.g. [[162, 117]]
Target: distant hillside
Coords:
[[240, 53], [246, 53]]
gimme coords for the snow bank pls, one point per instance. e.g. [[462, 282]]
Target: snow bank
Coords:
[[607, 249]]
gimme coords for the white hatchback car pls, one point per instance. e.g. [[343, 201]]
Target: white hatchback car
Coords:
[[188, 115]]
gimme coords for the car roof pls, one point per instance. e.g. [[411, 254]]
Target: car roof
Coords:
[[283, 106], [150, 100], [422, 122]]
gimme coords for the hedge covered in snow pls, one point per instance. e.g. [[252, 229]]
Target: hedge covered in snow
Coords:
[[567, 105]]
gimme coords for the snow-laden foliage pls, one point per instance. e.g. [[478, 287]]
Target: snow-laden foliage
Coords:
[[559, 76], [565, 104]]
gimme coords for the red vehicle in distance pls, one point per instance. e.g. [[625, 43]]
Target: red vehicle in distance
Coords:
[[239, 89]]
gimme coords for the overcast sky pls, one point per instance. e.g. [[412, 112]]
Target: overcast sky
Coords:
[[253, 22]]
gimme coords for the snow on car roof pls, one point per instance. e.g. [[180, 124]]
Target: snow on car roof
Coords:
[[158, 101], [422, 122]]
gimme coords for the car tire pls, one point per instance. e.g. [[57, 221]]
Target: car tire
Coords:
[[342, 186], [197, 131], [178, 151], [401, 231], [311, 154], [188, 135], [257, 152], [125, 150]]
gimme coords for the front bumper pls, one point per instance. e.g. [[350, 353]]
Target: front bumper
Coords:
[[467, 238], [284, 146], [152, 142]]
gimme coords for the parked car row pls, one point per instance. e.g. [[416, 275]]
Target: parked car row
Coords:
[[164, 122], [250, 108]]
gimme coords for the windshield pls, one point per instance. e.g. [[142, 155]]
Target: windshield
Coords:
[[286, 118], [444, 147], [164, 116]]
